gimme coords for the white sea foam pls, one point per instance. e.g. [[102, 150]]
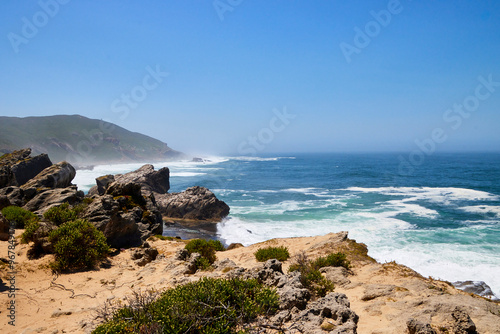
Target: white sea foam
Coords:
[[483, 209], [438, 195]]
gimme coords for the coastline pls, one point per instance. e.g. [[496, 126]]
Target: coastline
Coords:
[[384, 295]]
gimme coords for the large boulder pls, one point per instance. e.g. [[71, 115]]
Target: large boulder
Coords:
[[18, 167], [14, 195], [123, 222], [10, 159], [29, 168], [103, 183], [151, 181], [196, 203], [58, 175], [54, 197], [331, 313]]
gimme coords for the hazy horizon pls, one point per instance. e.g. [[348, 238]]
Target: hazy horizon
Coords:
[[252, 78]]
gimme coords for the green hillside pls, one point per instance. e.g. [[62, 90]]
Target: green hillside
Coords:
[[81, 140]]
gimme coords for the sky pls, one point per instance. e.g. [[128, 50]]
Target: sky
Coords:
[[254, 77]]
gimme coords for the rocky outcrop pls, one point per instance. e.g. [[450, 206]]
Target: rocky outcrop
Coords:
[[54, 197], [331, 313], [463, 324], [197, 203], [58, 175], [150, 180], [418, 327], [29, 168], [18, 167], [14, 195], [103, 183], [125, 217]]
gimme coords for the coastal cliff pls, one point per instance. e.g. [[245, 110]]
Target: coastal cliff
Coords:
[[387, 297]]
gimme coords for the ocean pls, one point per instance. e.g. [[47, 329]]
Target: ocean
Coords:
[[440, 217]]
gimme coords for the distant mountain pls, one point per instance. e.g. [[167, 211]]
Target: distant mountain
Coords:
[[81, 141]]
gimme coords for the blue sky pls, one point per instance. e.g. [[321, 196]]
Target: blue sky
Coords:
[[233, 65]]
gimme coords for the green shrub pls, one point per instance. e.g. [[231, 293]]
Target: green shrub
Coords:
[[206, 249], [217, 245], [310, 276], [31, 227], [280, 253], [18, 215], [332, 260], [207, 306], [61, 214], [77, 245]]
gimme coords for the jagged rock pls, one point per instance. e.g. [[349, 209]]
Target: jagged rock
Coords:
[[117, 189], [58, 175], [123, 222], [224, 265], [15, 157], [463, 323], [28, 168], [4, 202], [103, 183], [197, 203], [292, 293], [54, 197], [6, 177], [477, 287], [4, 228], [15, 195], [149, 179], [336, 275], [144, 255], [417, 327], [335, 308], [182, 254], [270, 272]]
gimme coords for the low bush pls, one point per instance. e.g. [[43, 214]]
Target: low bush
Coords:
[[332, 260], [280, 253], [61, 214], [77, 245], [31, 227], [311, 277], [206, 249], [18, 215], [207, 306]]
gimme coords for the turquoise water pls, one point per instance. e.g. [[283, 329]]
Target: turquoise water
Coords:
[[443, 220]]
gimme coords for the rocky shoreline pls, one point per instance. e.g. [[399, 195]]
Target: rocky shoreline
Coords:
[[132, 209]]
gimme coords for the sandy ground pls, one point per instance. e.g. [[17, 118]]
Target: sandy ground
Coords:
[[384, 296]]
